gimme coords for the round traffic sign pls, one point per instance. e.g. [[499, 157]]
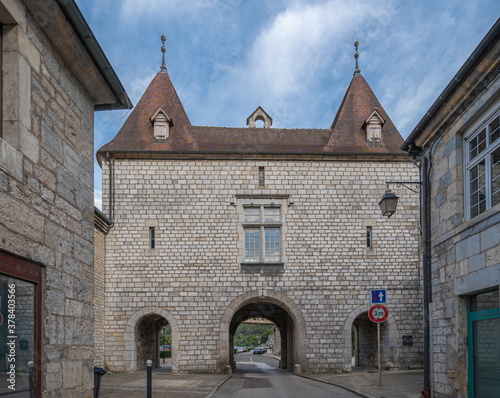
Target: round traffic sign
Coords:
[[378, 313]]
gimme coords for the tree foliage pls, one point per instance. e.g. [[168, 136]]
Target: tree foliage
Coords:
[[166, 336], [248, 335]]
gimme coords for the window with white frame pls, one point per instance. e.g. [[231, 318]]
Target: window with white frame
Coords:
[[483, 166], [262, 234]]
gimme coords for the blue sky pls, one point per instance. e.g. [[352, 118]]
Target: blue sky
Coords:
[[294, 58]]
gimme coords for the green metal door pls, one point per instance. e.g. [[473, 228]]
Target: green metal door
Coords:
[[484, 345]]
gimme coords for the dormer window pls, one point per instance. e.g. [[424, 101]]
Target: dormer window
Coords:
[[259, 114], [373, 125], [161, 122]]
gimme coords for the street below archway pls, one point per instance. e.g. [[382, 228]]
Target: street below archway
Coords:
[[259, 376]]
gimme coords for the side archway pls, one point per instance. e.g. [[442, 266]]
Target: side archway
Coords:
[[130, 336], [264, 299], [389, 338]]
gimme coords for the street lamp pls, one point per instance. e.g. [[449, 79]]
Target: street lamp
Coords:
[[389, 201]]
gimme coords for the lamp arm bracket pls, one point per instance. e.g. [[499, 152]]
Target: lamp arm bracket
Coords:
[[399, 184]]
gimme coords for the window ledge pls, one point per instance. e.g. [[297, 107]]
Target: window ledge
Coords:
[[262, 267], [151, 252], [369, 251]]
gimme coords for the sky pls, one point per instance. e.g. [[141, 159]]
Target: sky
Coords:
[[295, 58]]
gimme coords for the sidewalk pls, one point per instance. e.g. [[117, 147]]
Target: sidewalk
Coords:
[[133, 385], [363, 382], [395, 384]]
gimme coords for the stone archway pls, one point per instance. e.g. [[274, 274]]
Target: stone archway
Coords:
[[296, 328], [390, 350], [130, 336]]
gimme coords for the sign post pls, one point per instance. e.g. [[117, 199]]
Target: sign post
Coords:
[[378, 314], [379, 367]]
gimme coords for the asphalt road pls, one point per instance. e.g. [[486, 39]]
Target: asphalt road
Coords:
[[258, 376]]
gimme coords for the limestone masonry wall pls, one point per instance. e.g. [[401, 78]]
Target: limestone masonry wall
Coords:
[[99, 275], [465, 257], [46, 195], [194, 272]]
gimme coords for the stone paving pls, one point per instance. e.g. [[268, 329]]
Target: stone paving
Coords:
[[165, 384], [395, 384], [363, 382]]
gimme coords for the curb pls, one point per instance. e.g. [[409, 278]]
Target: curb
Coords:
[[357, 392], [219, 384]]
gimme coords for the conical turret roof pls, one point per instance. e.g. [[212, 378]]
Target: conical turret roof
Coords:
[[348, 127], [136, 133]]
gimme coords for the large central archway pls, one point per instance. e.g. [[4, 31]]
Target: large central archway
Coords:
[[271, 305]]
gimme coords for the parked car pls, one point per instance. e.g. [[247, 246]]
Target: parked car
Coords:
[[165, 347], [259, 350]]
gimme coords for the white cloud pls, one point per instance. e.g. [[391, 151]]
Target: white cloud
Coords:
[[289, 61], [139, 83], [98, 198]]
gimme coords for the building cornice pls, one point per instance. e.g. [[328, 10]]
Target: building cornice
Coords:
[[330, 156], [101, 221]]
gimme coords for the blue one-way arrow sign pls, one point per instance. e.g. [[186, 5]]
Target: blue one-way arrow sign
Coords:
[[378, 296]]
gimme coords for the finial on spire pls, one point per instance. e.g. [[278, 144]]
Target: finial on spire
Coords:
[[163, 49], [357, 71]]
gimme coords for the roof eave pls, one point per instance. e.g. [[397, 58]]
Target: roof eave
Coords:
[[67, 29], [219, 154], [82, 29]]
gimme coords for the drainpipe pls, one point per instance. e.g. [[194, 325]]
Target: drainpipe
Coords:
[[426, 264], [426, 261], [110, 188]]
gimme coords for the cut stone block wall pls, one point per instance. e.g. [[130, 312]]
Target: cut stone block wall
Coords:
[[99, 274], [46, 194], [194, 273], [465, 254]]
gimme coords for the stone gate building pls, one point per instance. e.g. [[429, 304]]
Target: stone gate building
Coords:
[[212, 226]]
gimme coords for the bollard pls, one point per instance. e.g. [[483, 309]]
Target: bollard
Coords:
[[30, 377], [150, 371], [98, 373]]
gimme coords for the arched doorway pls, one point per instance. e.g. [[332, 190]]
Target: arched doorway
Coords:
[[363, 347], [279, 309], [147, 340], [142, 339]]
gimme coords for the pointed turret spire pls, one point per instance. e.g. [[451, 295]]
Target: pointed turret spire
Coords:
[[163, 49], [357, 71]]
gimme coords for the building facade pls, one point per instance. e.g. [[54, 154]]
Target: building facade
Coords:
[[458, 144], [50, 87], [213, 226]]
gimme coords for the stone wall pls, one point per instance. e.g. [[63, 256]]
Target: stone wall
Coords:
[[194, 273], [99, 274], [46, 194], [465, 254]]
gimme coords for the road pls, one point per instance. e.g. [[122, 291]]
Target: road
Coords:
[[258, 376]]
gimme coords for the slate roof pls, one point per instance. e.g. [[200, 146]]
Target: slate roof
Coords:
[[345, 137]]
